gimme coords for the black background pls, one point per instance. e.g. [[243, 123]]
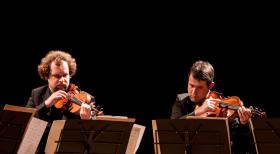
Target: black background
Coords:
[[135, 63]]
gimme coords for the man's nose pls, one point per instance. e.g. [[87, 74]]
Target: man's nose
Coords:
[[194, 91], [61, 79]]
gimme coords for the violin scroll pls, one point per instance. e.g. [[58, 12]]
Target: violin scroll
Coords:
[[257, 113]]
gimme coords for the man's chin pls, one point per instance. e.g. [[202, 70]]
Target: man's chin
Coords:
[[195, 100]]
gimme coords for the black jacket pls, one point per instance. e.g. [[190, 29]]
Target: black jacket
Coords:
[[241, 137], [37, 99]]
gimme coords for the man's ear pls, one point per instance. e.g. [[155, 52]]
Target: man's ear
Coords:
[[211, 85]]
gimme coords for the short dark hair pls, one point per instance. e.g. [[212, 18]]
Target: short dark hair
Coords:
[[202, 70]]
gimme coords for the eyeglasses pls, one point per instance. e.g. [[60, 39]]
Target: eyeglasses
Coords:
[[58, 76]]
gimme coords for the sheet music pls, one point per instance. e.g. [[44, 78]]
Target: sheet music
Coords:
[[54, 135], [32, 136], [135, 138]]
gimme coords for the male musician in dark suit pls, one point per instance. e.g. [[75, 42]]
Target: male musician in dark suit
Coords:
[[197, 103], [57, 67]]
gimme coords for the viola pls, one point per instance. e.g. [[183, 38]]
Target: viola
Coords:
[[228, 107], [74, 100]]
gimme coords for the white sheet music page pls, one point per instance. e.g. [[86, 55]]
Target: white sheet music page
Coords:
[[135, 138], [54, 136], [32, 136]]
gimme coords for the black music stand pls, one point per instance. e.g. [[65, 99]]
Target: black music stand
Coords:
[[12, 128], [194, 135], [92, 136], [266, 134]]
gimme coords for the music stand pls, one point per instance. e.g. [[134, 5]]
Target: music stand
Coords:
[[136, 133], [12, 128], [89, 136], [195, 135], [266, 133], [20, 109], [115, 118]]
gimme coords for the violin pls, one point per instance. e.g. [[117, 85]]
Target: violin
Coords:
[[228, 107], [74, 100]]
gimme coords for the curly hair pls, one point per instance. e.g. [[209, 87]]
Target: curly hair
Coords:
[[56, 56]]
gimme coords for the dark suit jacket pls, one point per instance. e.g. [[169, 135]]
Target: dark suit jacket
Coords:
[[37, 99]]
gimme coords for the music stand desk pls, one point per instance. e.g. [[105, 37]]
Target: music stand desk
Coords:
[[266, 133], [193, 135], [88, 136], [12, 129]]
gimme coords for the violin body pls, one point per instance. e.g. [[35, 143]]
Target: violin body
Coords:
[[223, 109], [228, 107], [74, 100]]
